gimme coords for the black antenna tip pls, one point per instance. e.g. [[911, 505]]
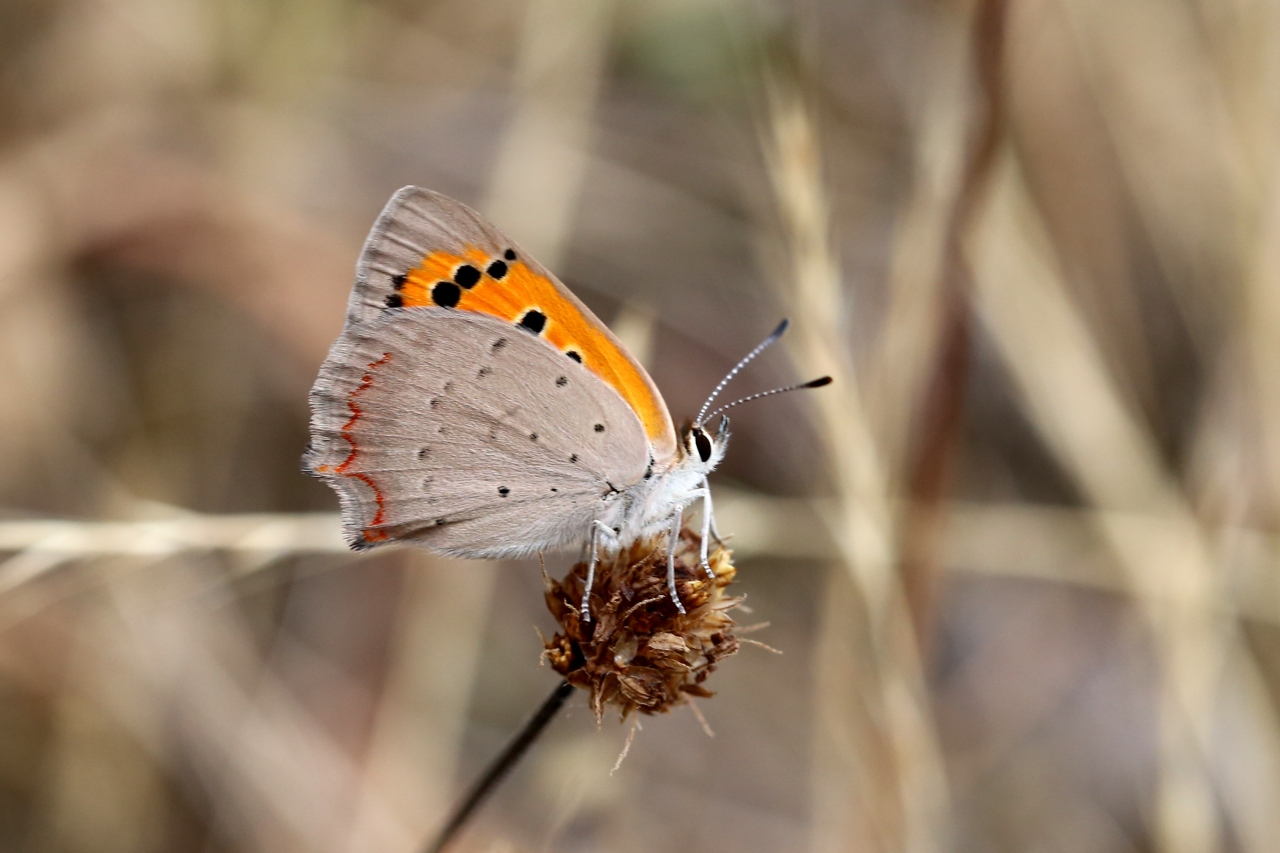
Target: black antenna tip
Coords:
[[782, 327], [817, 383]]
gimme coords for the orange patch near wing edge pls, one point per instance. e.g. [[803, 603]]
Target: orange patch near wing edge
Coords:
[[520, 290]]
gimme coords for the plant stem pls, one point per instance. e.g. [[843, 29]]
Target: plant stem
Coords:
[[500, 766]]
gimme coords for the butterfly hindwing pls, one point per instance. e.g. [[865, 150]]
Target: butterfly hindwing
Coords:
[[427, 250], [468, 434]]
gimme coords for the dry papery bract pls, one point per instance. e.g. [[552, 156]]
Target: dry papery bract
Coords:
[[639, 652]]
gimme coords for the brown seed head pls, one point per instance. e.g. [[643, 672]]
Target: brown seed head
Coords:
[[638, 652]]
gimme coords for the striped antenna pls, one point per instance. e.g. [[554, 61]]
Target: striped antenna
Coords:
[[812, 383], [773, 337]]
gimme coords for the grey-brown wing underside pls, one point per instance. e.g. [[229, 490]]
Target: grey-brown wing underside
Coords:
[[468, 435]]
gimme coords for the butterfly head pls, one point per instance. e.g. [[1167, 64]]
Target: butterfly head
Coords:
[[701, 448]]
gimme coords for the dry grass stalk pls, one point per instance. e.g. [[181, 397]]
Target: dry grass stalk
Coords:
[[1084, 417], [905, 764]]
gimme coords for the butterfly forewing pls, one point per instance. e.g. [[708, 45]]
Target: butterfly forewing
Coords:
[[427, 250], [468, 434]]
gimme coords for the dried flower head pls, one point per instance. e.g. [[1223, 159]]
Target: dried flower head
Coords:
[[639, 652]]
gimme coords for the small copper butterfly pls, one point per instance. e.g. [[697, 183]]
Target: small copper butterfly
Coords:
[[474, 405]]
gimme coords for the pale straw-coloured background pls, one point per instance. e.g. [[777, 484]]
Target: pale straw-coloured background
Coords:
[[1021, 559]]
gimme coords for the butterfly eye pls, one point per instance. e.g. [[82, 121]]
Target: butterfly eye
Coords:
[[703, 444]]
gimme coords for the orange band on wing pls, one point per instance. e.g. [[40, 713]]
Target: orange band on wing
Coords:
[[506, 288]]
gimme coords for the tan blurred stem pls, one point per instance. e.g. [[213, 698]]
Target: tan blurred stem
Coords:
[[1075, 405], [540, 167], [410, 771], [942, 407], [163, 665], [1054, 544], [861, 520], [1259, 322]]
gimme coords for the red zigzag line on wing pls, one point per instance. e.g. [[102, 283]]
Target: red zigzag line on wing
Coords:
[[370, 534]]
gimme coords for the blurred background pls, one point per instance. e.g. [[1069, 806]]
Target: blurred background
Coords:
[[1020, 559]]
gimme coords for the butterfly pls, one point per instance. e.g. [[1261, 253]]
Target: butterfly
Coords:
[[473, 405]]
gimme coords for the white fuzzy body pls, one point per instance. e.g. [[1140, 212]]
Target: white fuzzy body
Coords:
[[652, 506]]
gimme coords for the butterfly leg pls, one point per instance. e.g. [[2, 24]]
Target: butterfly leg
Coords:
[[677, 523], [597, 527], [715, 534], [708, 519], [708, 526]]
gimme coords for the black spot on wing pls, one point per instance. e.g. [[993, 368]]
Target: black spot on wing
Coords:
[[397, 281], [497, 270], [573, 354], [446, 294], [562, 381], [504, 491], [466, 276], [535, 321], [395, 300], [509, 254], [599, 427]]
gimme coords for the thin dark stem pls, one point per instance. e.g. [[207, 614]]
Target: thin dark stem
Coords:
[[500, 766]]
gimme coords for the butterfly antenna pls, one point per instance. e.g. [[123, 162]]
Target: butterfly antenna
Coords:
[[812, 383], [765, 344]]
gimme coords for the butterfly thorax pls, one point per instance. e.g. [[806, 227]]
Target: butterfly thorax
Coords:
[[646, 508]]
